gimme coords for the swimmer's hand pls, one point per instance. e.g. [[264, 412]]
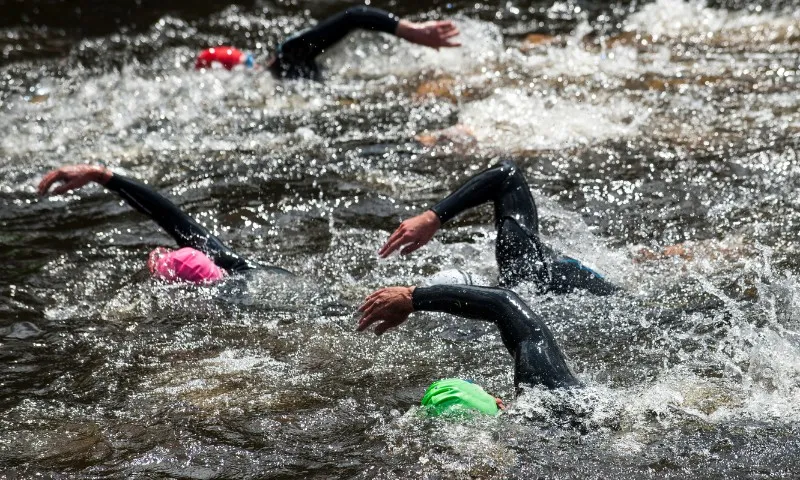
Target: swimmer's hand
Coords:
[[73, 177], [390, 306], [435, 34], [413, 233]]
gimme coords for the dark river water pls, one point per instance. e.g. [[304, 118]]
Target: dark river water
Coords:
[[639, 125]]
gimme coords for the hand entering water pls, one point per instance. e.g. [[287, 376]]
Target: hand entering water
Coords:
[[390, 306], [434, 34], [73, 177]]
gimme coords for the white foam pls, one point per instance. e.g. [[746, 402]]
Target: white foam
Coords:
[[514, 119], [122, 113], [366, 54], [677, 18]]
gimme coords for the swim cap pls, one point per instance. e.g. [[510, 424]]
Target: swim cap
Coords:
[[228, 57], [185, 264], [453, 395], [449, 277]]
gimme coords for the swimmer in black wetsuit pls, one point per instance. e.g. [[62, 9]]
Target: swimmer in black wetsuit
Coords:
[[537, 358], [521, 256], [203, 258], [296, 56]]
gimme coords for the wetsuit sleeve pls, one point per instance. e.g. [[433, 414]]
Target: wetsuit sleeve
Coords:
[[502, 184], [569, 275], [180, 226], [537, 358], [305, 46]]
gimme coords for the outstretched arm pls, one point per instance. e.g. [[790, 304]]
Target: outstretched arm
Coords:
[[391, 306], [502, 184], [307, 45], [179, 225], [488, 186], [538, 360]]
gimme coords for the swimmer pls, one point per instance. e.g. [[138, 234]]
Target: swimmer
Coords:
[[295, 57], [202, 258], [537, 358], [520, 254]]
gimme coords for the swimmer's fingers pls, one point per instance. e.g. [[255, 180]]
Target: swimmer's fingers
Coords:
[[447, 30], [65, 187], [365, 322], [391, 306], [371, 297], [49, 179], [364, 306], [369, 308], [411, 247], [386, 317], [379, 299], [370, 317], [71, 177], [413, 233], [445, 26], [395, 241]]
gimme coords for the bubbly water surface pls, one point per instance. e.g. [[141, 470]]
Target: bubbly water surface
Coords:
[[639, 127]]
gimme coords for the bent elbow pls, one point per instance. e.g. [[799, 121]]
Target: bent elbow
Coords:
[[506, 299]]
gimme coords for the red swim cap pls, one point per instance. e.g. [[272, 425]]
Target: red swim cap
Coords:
[[186, 264], [229, 57]]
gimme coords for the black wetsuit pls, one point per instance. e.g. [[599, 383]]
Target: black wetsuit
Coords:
[[180, 226], [521, 256], [296, 57], [537, 358]]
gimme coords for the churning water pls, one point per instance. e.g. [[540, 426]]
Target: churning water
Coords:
[[639, 127]]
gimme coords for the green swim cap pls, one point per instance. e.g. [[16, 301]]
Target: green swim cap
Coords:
[[453, 395]]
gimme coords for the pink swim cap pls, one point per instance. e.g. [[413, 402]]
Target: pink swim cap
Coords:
[[185, 264]]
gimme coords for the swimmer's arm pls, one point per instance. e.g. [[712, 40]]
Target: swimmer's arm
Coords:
[[390, 307], [537, 357], [435, 34], [145, 200], [538, 360], [478, 190], [504, 308], [179, 225], [307, 45], [311, 43], [139, 196], [417, 231]]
